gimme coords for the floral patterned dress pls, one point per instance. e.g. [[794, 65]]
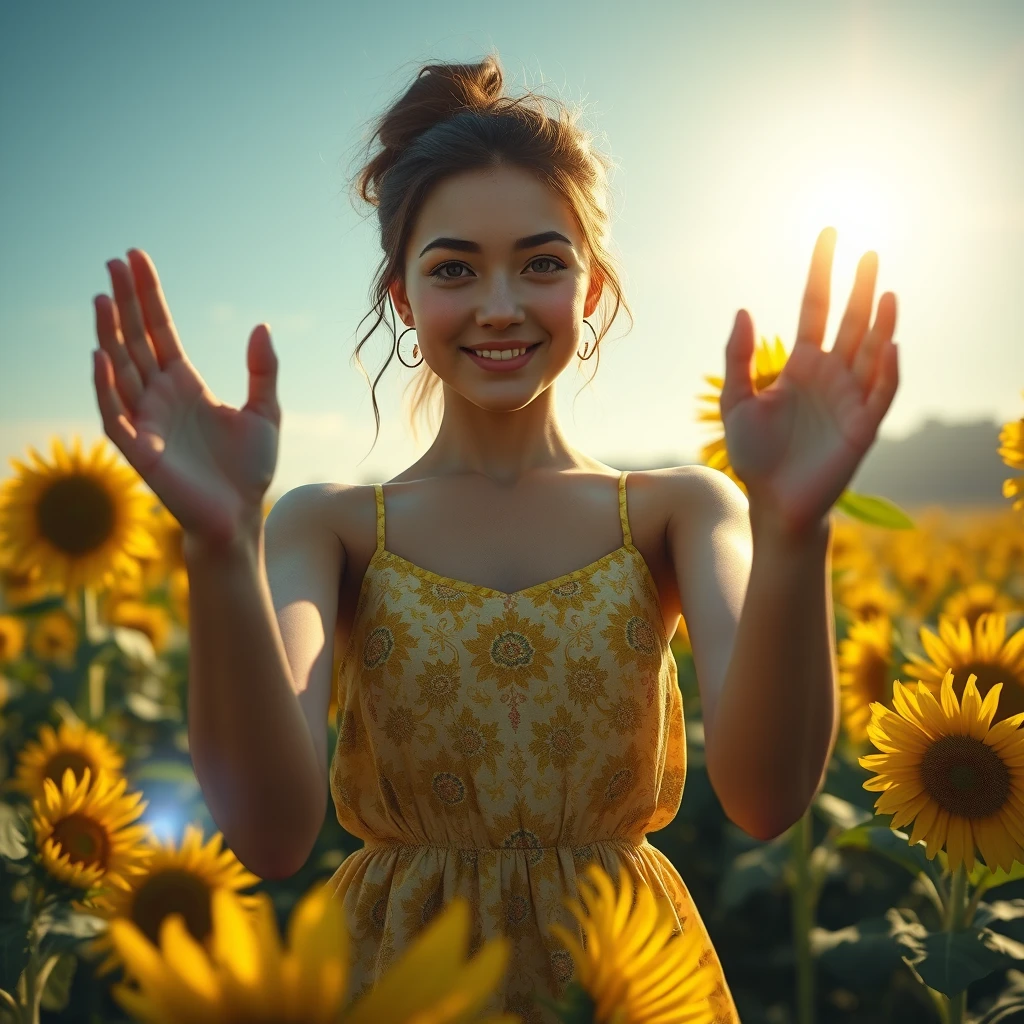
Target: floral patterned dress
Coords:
[[490, 745]]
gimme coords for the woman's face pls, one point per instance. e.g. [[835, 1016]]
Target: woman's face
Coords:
[[495, 257]]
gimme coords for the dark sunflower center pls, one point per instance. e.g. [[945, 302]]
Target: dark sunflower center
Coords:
[[76, 515], [83, 840], [173, 891], [1011, 697], [965, 776], [67, 759]]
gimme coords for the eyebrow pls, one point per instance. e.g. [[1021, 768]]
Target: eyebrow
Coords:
[[464, 245]]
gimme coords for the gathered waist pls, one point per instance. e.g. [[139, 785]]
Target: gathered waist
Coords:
[[378, 843]]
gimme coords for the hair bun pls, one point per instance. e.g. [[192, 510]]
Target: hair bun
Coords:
[[438, 92]]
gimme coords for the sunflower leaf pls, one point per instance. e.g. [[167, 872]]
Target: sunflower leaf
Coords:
[[892, 845], [949, 962], [864, 955], [13, 833], [13, 953], [1003, 916], [840, 813], [576, 1007], [754, 870], [983, 878], [874, 510], [57, 990]]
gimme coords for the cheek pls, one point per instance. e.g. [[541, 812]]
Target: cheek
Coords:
[[440, 313]]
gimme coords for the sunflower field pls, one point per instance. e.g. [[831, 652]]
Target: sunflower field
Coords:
[[899, 896]]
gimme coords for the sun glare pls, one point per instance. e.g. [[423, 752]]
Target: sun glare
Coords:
[[862, 212]]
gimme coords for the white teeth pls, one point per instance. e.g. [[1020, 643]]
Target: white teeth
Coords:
[[509, 353]]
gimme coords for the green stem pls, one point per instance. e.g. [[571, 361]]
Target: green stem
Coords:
[[803, 917], [954, 921], [13, 1016], [94, 674], [25, 990]]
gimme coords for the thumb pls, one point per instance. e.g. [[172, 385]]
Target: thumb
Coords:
[[739, 358], [262, 363]]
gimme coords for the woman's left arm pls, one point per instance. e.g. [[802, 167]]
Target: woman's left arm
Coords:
[[776, 716], [795, 445]]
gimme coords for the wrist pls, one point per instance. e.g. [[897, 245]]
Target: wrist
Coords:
[[769, 529], [244, 542]]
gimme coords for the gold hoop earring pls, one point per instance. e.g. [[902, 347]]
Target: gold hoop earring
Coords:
[[586, 344], [415, 349]]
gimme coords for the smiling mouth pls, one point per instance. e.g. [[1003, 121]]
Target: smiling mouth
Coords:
[[476, 352]]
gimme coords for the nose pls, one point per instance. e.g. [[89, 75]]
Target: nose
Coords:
[[500, 307]]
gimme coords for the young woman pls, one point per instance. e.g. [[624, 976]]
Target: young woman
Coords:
[[508, 707]]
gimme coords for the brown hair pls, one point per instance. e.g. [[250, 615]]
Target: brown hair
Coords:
[[454, 118]]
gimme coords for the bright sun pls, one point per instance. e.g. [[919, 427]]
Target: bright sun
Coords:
[[861, 211]]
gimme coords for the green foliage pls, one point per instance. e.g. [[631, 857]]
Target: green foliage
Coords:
[[874, 510], [950, 961], [893, 845]]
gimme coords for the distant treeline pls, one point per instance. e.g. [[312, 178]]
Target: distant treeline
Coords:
[[940, 463]]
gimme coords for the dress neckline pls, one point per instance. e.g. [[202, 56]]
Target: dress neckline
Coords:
[[475, 588]]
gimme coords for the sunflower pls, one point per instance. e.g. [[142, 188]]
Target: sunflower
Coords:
[[1004, 551], [975, 600], [768, 364], [12, 637], [1011, 440], [922, 571], [864, 657], [981, 651], [168, 534], [867, 598], [245, 977], [633, 968], [946, 765], [174, 881], [83, 839], [177, 593], [73, 745], [19, 586], [78, 517], [150, 619], [54, 638]]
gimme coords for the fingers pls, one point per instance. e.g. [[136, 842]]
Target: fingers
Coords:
[[125, 372], [156, 315], [116, 422], [872, 352], [858, 311], [814, 311], [262, 362], [129, 316], [739, 354], [887, 380]]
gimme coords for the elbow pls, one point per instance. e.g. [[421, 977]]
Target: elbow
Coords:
[[762, 831], [747, 809]]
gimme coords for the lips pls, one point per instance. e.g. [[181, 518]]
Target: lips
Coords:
[[492, 365], [498, 348]]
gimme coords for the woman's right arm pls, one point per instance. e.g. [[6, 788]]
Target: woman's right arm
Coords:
[[211, 464], [250, 743]]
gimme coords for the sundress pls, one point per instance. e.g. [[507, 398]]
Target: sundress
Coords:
[[490, 745]]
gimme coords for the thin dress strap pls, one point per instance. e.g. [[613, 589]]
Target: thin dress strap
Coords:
[[378, 492], [627, 537]]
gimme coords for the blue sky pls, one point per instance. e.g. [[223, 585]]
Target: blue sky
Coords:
[[221, 137]]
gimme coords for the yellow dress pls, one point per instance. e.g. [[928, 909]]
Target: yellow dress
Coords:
[[490, 745]]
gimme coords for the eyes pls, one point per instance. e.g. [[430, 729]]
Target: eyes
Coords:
[[438, 270]]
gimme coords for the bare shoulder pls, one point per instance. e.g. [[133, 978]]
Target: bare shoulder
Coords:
[[701, 497], [348, 510]]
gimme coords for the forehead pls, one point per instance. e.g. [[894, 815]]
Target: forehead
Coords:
[[493, 206]]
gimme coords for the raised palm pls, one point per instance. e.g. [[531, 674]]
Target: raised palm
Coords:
[[797, 444], [209, 463]]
